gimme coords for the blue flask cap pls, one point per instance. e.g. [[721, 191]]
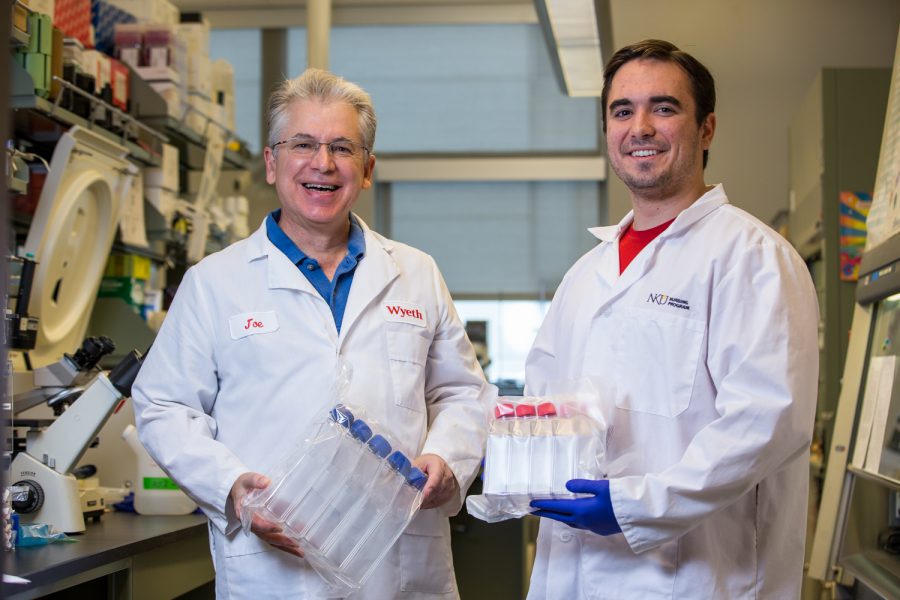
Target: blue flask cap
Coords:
[[416, 478], [360, 430], [399, 462], [379, 446], [341, 414]]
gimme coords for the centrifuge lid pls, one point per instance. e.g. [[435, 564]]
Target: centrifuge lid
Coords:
[[71, 235]]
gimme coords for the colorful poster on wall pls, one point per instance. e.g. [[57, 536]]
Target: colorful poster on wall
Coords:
[[854, 210]]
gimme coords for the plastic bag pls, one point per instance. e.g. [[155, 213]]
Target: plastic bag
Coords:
[[344, 496], [10, 520], [536, 444], [39, 534]]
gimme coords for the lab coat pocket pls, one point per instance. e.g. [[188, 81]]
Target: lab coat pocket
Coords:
[[407, 355], [426, 563], [247, 567], [656, 357], [650, 574], [240, 543]]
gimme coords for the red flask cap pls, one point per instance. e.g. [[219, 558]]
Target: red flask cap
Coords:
[[546, 409], [503, 410], [525, 410]]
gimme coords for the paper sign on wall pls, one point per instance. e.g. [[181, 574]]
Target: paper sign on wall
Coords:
[[874, 415]]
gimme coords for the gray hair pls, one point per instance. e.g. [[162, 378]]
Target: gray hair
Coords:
[[317, 84]]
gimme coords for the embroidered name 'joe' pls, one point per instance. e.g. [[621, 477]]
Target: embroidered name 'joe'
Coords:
[[252, 323], [404, 312]]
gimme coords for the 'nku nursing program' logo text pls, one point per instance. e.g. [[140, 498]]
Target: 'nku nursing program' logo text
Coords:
[[666, 300]]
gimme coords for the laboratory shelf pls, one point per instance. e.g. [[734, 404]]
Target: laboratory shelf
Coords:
[[877, 569], [46, 121], [43, 121], [119, 247], [176, 129], [876, 477], [238, 159], [19, 38]]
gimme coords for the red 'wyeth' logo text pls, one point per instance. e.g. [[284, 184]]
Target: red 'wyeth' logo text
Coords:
[[403, 312], [253, 324]]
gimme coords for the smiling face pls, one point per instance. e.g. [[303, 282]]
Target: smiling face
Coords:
[[317, 192], [653, 140]]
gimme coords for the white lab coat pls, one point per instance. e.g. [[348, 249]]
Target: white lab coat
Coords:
[[707, 346], [211, 405]]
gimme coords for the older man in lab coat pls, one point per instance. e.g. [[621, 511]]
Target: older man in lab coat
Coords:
[[217, 400], [699, 324]]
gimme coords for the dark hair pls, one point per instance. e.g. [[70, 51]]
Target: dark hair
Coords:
[[702, 83]]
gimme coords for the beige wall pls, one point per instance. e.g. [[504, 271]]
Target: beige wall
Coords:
[[764, 55]]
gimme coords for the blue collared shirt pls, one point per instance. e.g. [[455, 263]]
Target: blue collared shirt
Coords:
[[337, 290]]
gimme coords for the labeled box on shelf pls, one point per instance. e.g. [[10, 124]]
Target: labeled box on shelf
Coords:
[[195, 34], [128, 266], [20, 18], [56, 63], [104, 18], [163, 74], [166, 175], [129, 289], [73, 50], [128, 42], [119, 82], [41, 39], [73, 17], [200, 75], [171, 94], [150, 11], [38, 66], [158, 45], [45, 7], [163, 201]]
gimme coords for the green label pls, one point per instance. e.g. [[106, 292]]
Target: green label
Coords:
[[159, 483]]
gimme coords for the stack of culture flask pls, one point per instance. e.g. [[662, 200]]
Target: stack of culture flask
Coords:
[[534, 446], [344, 498]]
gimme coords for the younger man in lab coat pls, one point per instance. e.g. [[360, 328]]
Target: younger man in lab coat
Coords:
[[699, 323], [217, 400]]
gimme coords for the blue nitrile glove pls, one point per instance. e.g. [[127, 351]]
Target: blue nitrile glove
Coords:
[[594, 514]]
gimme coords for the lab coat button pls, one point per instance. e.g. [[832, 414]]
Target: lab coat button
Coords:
[[565, 536]]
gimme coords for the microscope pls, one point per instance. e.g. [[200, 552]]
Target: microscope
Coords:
[[82, 398], [44, 468]]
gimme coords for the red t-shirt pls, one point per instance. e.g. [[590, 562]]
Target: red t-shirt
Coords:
[[632, 242]]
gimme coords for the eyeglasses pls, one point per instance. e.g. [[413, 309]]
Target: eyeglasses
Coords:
[[305, 146]]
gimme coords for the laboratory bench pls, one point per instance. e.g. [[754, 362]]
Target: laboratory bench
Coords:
[[122, 556]]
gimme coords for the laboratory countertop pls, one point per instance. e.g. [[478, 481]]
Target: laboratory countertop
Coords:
[[116, 536]]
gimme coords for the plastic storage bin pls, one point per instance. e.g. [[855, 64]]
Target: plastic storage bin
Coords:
[[344, 498]]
